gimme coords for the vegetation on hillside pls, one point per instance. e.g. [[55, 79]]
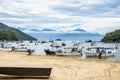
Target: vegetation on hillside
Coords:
[[22, 35], [8, 35], [112, 36]]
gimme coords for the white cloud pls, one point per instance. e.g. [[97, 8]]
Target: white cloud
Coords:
[[95, 16], [101, 25]]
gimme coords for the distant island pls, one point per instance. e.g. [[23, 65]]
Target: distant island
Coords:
[[112, 37], [47, 30], [9, 33]]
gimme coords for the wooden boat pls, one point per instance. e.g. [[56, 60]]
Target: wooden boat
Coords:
[[24, 72], [48, 52]]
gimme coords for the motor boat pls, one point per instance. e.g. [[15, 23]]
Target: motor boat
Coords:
[[99, 51]]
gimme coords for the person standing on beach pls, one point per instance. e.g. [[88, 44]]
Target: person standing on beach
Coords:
[[2, 45], [29, 52]]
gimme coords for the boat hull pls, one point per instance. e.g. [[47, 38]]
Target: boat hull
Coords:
[[68, 54], [48, 52]]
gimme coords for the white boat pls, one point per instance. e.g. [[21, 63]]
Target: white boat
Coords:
[[66, 51], [99, 51], [107, 52], [70, 51], [20, 50]]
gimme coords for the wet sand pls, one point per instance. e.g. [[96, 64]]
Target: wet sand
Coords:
[[64, 68]]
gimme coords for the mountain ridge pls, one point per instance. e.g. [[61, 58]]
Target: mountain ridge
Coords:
[[79, 30], [65, 35]]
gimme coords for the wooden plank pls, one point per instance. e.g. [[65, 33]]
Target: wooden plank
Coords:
[[25, 72]]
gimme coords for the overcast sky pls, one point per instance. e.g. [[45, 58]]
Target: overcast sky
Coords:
[[97, 16]]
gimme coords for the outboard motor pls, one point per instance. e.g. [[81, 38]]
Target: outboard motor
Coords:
[[100, 54]]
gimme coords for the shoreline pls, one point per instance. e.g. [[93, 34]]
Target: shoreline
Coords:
[[64, 68]]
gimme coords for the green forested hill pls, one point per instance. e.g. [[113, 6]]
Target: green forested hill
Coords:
[[112, 36], [21, 35], [8, 35]]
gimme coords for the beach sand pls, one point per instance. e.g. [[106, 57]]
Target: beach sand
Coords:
[[64, 68]]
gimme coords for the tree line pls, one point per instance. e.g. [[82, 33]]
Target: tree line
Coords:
[[8, 35], [112, 36]]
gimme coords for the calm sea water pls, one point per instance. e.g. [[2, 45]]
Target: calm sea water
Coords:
[[67, 36]]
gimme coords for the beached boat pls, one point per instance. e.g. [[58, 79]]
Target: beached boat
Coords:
[[21, 50], [99, 51], [24, 72], [52, 50]]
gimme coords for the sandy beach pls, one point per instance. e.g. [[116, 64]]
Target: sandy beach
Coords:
[[64, 68]]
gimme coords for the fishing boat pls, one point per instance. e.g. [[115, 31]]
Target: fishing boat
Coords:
[[107, 52], [69, 51], [52, 50], [99, 52], [49, 52], [21, 50]]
